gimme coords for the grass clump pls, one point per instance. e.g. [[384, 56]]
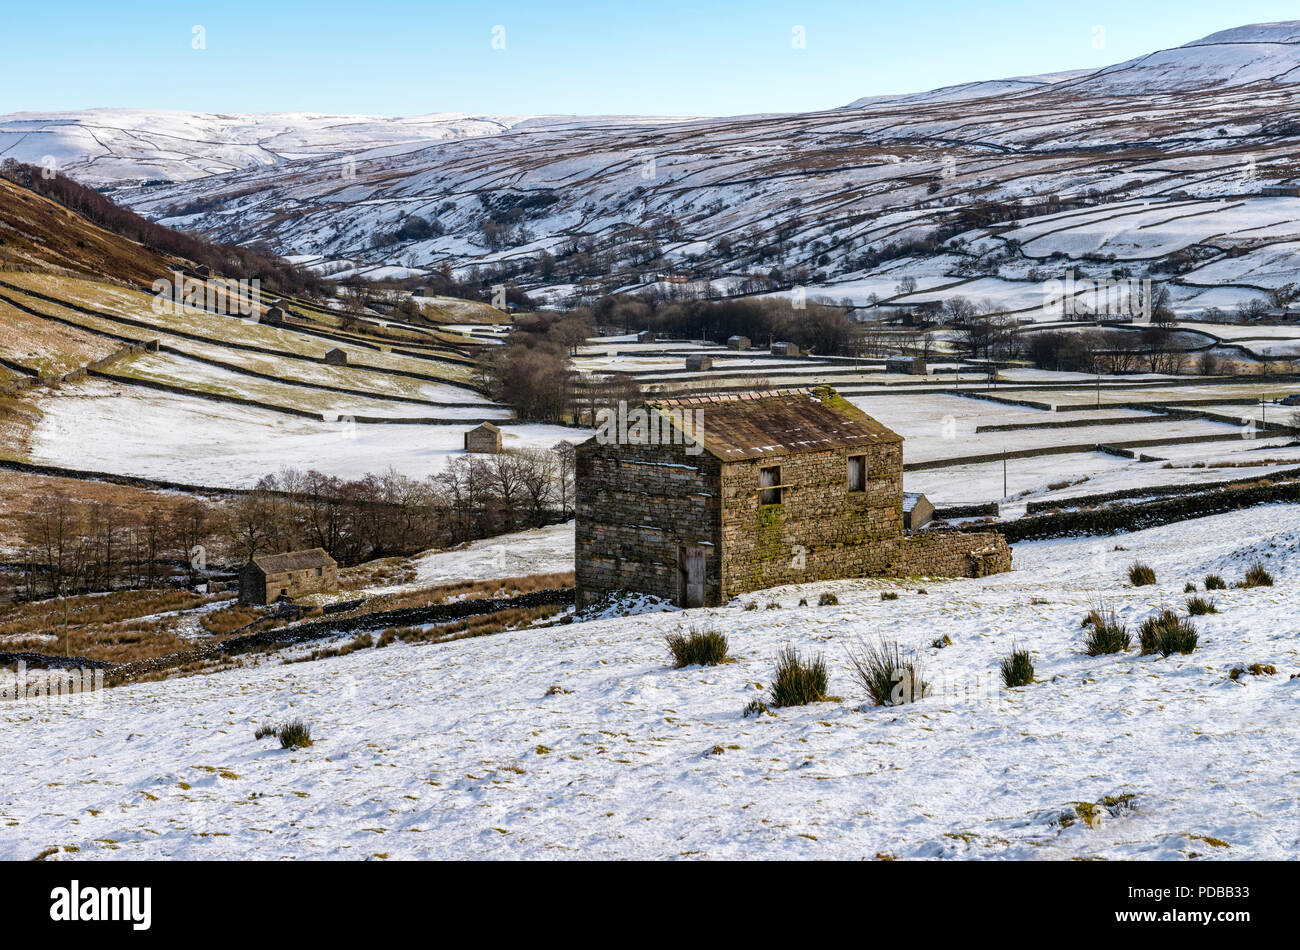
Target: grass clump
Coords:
[[295, 734], [1189, 588], [697, 648], [1257, 576], [265, 730], [1214, 582], [828, 600], [1255, 669], [888, 595], [1198, 606], [797, 683], [1167, 633], [1109, 634], [1017, 668], [1141, 575], [889, 677]]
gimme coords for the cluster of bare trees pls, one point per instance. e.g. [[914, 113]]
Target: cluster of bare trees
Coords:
[[71, 546], [1112, 352]]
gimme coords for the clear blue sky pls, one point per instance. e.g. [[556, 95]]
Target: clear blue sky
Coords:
[[562, 56]]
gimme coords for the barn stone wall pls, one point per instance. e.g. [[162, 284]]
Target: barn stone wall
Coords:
[[820, 530], [635, 505], [954, 554]]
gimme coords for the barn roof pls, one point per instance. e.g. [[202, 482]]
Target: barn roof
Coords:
[[779, 422], [485, 427], [294, 561]]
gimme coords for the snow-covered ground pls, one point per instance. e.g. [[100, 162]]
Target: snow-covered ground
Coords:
[[457, 750], [128, 430]]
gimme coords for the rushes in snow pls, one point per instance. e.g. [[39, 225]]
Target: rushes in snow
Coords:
[[1257, 576], [264, 730], [1214, 582], [295, 734], [698, 648], [828, 600], [1196, 606], [1017, 669], [1167, 633], [1108, 634], [796, 683], [1140, 575], [890, 678]]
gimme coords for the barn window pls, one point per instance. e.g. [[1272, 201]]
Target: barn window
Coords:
[[857, 473], [769, 484]]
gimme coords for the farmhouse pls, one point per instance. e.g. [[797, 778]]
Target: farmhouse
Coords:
[[715, 496], [485, 438], [266, 578]]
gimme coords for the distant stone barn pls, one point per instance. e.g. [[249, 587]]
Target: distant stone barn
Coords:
[[703, 499], [485, 438], [269, 577], [336, 357]]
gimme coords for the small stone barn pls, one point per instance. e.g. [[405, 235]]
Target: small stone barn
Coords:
[[645, 336], [484, 437], [917, 510], [697, 362], [336, 357], [273, 316], [786, 349], [738, 343], [267, 578], [913, 365], [702, 499]]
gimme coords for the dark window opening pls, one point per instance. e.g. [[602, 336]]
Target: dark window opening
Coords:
[[769, 484]]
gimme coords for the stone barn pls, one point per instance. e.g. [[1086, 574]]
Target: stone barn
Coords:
[[484, 438], [268, 577], [738, 343], [917, 511], [698, 363], [274, 316], [912, 365], [645, 336], [336, 357], [786, 349], [702, 499]]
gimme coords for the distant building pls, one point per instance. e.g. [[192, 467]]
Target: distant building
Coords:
[[913, 365], [273, 316], [698, 362], [267, 578], [738, 343], [770, 488], [786, 349], [1280, 191], [917, 510], [485, 438], [336, 357], [645, 336]]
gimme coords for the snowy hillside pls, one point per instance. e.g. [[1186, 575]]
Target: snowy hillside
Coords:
[[465, 749], [112, 146]]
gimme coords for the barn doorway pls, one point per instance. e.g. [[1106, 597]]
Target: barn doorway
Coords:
[[690, 575]]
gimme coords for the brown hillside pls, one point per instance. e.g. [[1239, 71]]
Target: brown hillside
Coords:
[[36, 233]]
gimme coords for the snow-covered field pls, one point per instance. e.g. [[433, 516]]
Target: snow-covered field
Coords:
[[457, 750], [127, 430]]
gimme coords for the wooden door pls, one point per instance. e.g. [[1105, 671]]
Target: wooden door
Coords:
[[690, 575]]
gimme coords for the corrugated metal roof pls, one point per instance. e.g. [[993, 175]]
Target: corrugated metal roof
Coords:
[[760, 424], [294, 561]]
